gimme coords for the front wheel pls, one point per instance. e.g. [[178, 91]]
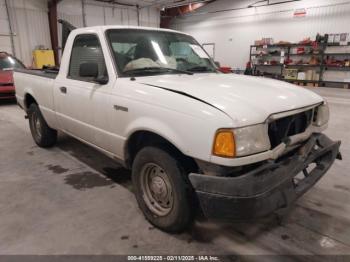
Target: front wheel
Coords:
[[162, 189], [43, 135]]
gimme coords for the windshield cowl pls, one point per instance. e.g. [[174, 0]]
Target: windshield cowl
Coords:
[[155, 70]]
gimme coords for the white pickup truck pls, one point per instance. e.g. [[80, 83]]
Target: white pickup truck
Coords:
[[195, 139]]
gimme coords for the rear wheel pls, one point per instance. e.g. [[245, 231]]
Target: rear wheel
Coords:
[[162, 189], [43, 135]]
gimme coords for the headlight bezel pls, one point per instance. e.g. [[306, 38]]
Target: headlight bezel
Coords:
[[254, 139], [248, 140], [321, 115]]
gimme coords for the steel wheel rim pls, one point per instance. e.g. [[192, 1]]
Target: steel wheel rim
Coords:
[[37, 125], [157, 190]]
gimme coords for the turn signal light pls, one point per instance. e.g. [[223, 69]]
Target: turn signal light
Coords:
[[224, 144]]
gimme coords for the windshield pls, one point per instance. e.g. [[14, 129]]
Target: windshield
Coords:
[[8, 62], [148, 52]]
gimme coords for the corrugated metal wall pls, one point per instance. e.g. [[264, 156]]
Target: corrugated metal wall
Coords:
[[97, 13], [30, 26], [5, 40], [234, 31], [30, 21]]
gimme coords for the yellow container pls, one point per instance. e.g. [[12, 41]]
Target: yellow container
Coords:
[[43, 58]]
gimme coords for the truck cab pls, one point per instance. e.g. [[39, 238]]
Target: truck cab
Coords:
[[194, 138]]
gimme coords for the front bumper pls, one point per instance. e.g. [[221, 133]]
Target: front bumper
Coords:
[[7, 92], [268, 188]]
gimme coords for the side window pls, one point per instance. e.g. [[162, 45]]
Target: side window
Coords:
[[86, 49]]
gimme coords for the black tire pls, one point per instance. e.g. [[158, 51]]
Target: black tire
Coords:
[[181, 214], [43, 135]]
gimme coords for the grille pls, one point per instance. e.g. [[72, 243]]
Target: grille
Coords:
[[281, 129]]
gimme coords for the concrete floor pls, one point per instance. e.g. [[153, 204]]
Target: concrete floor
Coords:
[[73, 200]]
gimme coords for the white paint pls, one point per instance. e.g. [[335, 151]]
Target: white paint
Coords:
[[87, 110], [234, 31]]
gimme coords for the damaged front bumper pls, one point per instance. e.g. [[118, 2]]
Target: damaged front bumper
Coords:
[[268, 188]]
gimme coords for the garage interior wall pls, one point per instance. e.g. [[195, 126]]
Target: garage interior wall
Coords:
[[97, 13], [234, 31], [5, 40], [29, 21]]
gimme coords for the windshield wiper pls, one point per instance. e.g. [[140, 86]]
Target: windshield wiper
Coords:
[[154, 68], [201, 69]]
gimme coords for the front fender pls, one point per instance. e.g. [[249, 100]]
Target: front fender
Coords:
[[27, 91], [158, 127]]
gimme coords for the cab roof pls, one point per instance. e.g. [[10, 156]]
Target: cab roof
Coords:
[[107, 27]]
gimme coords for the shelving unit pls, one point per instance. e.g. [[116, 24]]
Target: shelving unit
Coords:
[[321, 54]]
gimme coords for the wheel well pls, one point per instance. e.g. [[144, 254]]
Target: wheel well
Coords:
[[28, 100], [140, 139]]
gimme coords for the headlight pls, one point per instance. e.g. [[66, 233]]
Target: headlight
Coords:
[[241, 141], [251, 140], [321, 116]]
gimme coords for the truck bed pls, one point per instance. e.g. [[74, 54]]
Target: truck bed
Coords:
[[39, 85], [47, 73]]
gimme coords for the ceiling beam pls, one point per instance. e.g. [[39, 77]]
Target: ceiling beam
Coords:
[[173, 3], [169, 13], [114, 2]]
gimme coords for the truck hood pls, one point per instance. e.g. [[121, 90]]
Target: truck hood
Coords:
[[247, 100]]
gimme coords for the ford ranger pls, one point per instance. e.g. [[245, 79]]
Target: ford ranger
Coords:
[[232, 146]]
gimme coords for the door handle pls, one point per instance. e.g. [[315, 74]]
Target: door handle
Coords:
[[63, 89]]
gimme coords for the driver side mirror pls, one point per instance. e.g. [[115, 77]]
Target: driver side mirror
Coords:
[[90, 69]]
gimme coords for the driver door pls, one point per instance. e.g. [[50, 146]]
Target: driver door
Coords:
[[76, 95]]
